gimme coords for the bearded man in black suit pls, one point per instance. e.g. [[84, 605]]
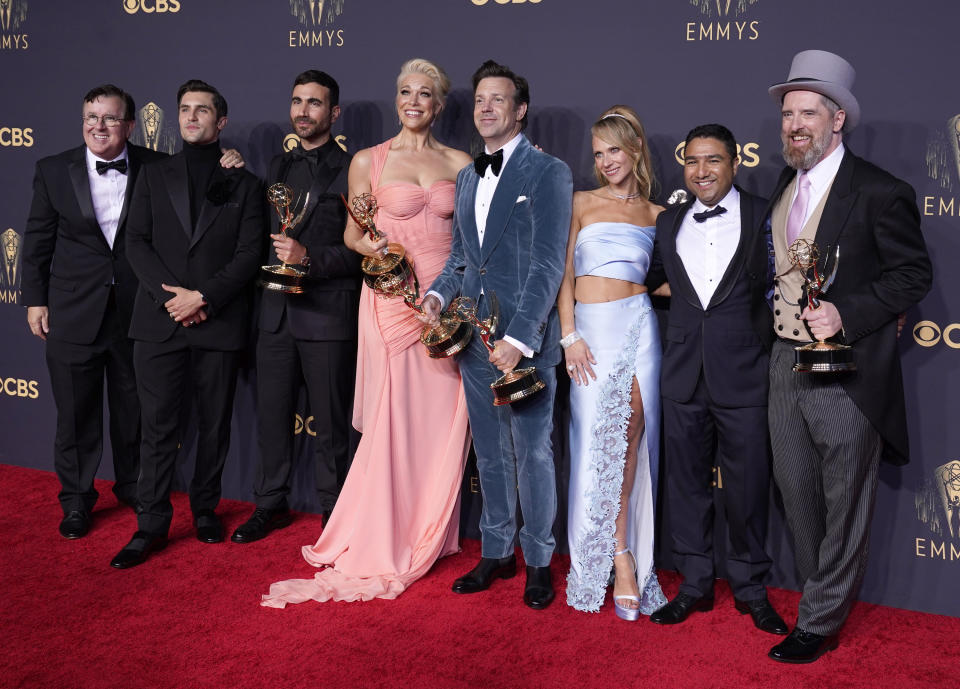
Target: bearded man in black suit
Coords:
[[309, 337], [829, 431], [194, 241]]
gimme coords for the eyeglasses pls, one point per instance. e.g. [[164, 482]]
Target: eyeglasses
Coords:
[[91, 120]]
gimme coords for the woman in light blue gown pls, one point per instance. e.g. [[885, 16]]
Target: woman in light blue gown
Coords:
[[612, 351]]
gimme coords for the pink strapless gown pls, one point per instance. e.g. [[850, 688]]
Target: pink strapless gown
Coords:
[[398, 511]]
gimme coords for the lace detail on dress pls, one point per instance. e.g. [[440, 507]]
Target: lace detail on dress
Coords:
[[608, 448]]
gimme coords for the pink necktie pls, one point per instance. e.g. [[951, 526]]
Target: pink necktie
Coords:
[[799, 209]]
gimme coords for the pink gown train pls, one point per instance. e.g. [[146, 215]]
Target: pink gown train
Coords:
[[398, 511]]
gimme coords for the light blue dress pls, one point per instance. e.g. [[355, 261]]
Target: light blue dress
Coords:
[[624, 339]]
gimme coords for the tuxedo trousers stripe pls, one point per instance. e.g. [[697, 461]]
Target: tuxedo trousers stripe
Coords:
[[826, 456]]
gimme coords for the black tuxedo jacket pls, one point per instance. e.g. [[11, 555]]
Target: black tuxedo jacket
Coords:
[[883, 270], [729, 341], [67, 264], [219, 257], [327, 310]]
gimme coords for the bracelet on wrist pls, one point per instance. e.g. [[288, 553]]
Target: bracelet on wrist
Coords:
[[568, 340]]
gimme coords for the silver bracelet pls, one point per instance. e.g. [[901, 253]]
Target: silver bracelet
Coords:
[[570, 339]]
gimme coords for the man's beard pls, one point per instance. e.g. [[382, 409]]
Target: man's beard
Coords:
[[312, 129], [814, 153]]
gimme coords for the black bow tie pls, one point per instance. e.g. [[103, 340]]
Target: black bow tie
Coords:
[[700, 217], [120, 165], [494, 160], [300, 153]]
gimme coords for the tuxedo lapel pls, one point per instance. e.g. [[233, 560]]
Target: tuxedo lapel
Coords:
[[327, 171], [77, 168], [669, 252], [176, 179], [840, 201], [732, 273], [512, 178], [133, 168], [221, 187]]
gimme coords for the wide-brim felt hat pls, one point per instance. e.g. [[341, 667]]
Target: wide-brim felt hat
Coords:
[[824, 73]]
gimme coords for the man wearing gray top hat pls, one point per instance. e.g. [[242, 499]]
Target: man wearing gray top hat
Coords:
[[829, 431]]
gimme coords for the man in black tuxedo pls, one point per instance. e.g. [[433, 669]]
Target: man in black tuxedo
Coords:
[[830, 430], [714, 254], [309, 337], [194, 241], [79, 289]]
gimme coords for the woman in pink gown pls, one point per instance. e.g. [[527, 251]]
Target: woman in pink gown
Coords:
[[399, 508]]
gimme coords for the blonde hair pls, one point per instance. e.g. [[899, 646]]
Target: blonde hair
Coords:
[[417, 65], [620, 126]]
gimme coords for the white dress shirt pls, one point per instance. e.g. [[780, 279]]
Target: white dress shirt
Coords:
[[107, 192], [821, 177], [706, 248]]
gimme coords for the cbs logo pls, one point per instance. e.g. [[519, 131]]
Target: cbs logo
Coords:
[[928, 334], [304, 425], [18, 387], [15, 136], [505, 2], [150, 6], [292, 141], [748, 153]]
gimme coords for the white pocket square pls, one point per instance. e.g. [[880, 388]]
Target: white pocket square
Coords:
[[521, 199]]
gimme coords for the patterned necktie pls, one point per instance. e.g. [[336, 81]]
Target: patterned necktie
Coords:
[[799, 209]]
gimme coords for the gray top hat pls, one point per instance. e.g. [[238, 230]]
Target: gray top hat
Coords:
[[826, 74]]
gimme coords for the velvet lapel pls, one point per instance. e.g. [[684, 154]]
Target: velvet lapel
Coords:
[[176, 179], [133, 168], [77, 168], [466, 211], [512, 179]]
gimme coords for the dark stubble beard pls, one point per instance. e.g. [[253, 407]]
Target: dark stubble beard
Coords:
[[814, 153]]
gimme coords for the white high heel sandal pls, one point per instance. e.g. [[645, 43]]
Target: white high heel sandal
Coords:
[[625, 612]]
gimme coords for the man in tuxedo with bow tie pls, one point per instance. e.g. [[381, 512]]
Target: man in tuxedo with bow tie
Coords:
[[829, 431], [309, 337], [194, 240], [713, 251], [511, 220], [79, 291]]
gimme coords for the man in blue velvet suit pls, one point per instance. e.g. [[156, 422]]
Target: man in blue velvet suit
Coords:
[[511, 222]]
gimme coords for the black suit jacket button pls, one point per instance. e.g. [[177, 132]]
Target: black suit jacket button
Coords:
[[780, 327], [777, 312], [776, 297], [483, 271], [796, 332], [797, 316]]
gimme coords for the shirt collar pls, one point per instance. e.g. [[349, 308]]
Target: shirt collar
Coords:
[[822, 174], [508, 148], [730, 202]]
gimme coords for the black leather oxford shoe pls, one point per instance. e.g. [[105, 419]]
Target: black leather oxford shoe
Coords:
[[802, 647], [538, 592], [680, 608], [75, 524], [209, 526], [765, 618], [261, 523], [136, 551], [489, 568]]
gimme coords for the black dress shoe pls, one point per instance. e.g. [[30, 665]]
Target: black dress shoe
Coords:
[[538, 592], [802, 647], [765, 618], [209, 527], [135, 552], [260, 524], [680, 608], [75, 524], [489, 568]]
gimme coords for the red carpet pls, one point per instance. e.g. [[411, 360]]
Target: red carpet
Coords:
[[190, 617]]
